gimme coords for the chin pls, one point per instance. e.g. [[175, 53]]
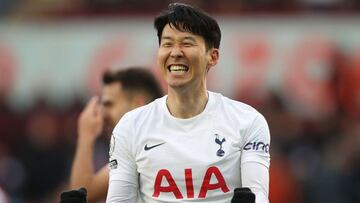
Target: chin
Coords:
[[177, 83], [176, 86]]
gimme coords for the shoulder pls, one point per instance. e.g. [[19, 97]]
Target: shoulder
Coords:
[[240, 116], [236, 108]]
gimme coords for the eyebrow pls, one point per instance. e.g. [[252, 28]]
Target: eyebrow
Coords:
[[184, 38], [190, 38], [164, 38]]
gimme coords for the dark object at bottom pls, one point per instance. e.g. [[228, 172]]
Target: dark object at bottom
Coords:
[[74, 196], [243, 195]]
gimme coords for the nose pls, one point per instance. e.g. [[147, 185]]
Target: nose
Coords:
[[176, 52]]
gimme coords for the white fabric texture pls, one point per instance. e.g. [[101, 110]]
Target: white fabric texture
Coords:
[[159, 158]]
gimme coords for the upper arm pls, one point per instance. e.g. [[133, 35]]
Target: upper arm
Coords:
[[257, 143], [123, 176]]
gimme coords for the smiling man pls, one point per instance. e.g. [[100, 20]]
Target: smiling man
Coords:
[[192, 145]]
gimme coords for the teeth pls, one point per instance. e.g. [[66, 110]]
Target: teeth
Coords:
[[178, 68]]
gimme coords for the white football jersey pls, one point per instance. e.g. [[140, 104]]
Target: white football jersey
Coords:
[[155, 157]]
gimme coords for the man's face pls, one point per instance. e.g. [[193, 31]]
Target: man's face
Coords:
[[115, 103], [184, 59]]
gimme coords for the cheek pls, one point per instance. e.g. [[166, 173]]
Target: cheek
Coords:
[[161, 62], [196, 61], [161, 56], [120, 110], [206, 60]]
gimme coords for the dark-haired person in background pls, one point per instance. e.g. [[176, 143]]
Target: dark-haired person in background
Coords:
[[123, 90], [191, 145]]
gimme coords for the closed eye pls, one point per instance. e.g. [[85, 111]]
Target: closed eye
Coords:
[[166, 44], [107, 104], [188, 44]]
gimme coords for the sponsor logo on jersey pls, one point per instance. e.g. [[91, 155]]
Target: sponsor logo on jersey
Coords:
[[220, 152], [257, 146], [165, 183], [146, 147], [113, 164]]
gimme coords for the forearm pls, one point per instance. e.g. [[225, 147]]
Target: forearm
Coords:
[[82, 170], [256, 177], [121, 191]]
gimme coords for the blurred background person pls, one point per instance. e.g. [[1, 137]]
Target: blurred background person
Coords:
[[123, 90]]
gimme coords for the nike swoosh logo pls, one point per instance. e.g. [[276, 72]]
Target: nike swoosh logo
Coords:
[[146, 148]]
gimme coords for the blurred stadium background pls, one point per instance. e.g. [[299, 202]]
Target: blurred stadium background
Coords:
[[297, 62]]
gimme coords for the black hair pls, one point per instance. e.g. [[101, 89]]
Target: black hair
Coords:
[[135, 79], [190, 19]]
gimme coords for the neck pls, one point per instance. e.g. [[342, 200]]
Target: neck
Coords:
[[186, 104]]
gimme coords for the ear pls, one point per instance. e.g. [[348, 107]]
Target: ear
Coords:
[[213, 57]]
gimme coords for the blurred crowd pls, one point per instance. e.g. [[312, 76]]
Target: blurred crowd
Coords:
[[312, 159], [37, 148], [68, 8]]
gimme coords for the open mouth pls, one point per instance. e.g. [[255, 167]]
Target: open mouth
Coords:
[[178, 68]]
